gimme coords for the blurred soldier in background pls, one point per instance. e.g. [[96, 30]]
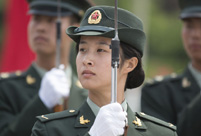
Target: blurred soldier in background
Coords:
[[25, 95], [176, 99]]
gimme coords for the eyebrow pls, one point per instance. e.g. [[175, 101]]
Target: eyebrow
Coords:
[[103, 43], [98, 42]]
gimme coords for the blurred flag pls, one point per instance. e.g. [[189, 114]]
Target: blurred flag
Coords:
[[15, 54]]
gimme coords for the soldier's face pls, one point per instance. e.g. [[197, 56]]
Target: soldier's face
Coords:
[[94, 62], [191, 35], [42, 35]]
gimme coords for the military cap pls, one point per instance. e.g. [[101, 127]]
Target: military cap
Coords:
[[190, 8], [50, 7], [99, 21]]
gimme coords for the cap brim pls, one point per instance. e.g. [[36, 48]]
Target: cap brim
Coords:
[[125, 35], [193, 12], [47, 13], [49, 8]]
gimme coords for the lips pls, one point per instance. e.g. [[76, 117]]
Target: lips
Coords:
[[195, 46], [40, 39], [87, 73]]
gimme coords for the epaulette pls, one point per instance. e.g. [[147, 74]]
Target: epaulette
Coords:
[[155, 120], [57, 115], [6, 75], [158, 79]]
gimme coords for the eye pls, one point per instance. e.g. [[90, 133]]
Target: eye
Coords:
[[82, 50], [101, 50], [36, 18], [51, 20]]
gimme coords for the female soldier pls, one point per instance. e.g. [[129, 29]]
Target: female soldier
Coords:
[[97, 117]]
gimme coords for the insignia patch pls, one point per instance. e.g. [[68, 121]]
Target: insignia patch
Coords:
[[95, 17], [30, 80], [137, 122], [82, 121], [185, 83]]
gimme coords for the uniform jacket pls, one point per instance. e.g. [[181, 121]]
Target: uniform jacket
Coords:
[[20, 103], [175, 99], [70, 123]]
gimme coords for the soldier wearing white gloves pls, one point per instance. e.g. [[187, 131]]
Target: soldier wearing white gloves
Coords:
[[54, 87], [98, 116], [110, 121], [22, 94]]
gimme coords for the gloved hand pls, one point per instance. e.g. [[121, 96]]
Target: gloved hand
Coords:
[[54, 87], [110, 121]]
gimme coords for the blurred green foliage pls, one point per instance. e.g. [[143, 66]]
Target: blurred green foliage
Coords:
[[165, 49]]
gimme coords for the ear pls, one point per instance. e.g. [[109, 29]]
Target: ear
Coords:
[[130, 64]]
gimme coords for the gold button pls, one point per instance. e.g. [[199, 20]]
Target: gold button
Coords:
[[171, 125], [5, 75], [142, 113], [71, 111]]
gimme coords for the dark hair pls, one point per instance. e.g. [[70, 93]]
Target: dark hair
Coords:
[[136, 77]]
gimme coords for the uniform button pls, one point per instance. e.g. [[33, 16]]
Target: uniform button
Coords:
[[171, 125], [71, 111], [142, 113]]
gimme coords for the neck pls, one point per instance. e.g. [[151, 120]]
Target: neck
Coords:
[[197, 65], [103, 97], [49, 62]]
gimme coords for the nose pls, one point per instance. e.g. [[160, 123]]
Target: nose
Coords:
[[196, 33], [41, 27], [88, 61]]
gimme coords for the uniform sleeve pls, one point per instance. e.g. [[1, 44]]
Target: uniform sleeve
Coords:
[[189, 121], [39, 129], [19, 122], [154, 104]]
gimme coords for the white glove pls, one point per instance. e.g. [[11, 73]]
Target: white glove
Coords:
[[110, 121], [54, 87]]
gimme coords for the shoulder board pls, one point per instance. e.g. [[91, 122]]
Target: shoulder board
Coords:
[[57, 115], [155, 120], [6, 75], [159, 79]]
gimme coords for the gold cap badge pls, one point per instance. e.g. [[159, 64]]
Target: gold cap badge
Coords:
[[82, 121], [95, 17]]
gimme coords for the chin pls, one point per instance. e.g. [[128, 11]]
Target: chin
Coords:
[[87, 86]]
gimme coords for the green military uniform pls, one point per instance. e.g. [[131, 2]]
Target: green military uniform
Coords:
[[19, 100], [20, 103], [176, 98], [170, 99], [99, 20], [78, 122]]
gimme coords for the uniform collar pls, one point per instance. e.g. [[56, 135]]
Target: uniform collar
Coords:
[[196, 74], [87, 115], [41, 71], [96, 109]]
